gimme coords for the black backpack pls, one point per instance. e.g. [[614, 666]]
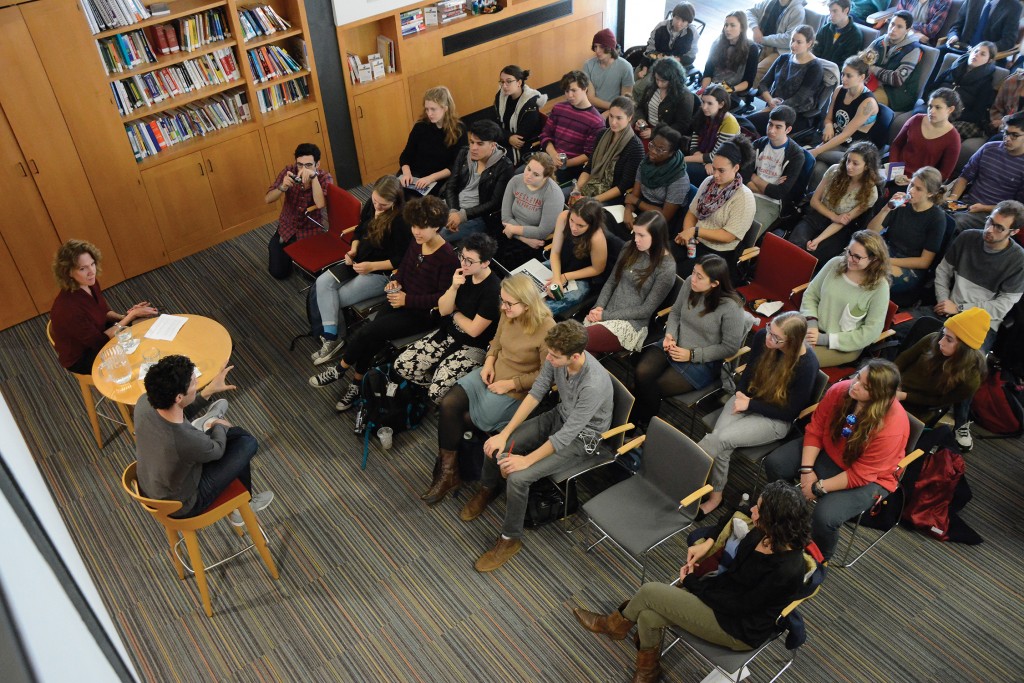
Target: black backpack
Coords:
[[546, 503], [386, 400]]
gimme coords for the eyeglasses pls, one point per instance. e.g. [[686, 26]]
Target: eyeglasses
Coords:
[[502, 81], [776, 339], [989, 223], [310, 166], [856, 258], [468, 261], [657, 149], [508, 305], [1012, 136]]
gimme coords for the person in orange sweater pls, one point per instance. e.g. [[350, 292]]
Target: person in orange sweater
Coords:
[[850, 450]]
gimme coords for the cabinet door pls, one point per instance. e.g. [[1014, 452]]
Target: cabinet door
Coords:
[[286, 135], [17, 301], [26, 227], [182, 201], [237, 171], [38, 124], [381, 121]]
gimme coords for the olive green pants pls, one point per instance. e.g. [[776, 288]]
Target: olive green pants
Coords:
[[657, 605], [830, 358]]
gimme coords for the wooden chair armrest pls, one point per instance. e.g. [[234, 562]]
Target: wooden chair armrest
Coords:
[[617, 430], [1006, 53], [663, 312], [807, 411], [799, 288], [696, 495], [630, 445], [880, 16], [740, 369], [348, 230], [910, 458], [885, 335], [749, 253], [312, 208], [743, 350]]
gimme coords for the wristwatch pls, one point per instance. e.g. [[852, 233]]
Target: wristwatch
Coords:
[[817, 489]]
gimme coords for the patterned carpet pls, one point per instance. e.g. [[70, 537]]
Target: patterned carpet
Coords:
[[377, 587]]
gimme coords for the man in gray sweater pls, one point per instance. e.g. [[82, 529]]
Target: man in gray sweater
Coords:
[[549, 442], [193, 462]]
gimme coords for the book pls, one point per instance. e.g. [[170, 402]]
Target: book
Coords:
[[430, 15], [412, 21], [158, 9]]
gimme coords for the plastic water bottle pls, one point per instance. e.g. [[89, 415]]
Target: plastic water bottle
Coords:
[[691, 248]]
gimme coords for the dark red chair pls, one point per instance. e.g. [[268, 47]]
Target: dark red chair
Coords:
[[782, 272], [313, 255]]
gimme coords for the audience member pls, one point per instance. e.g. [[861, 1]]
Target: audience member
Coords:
[[734, 57], [852, 112], [970, 78], [793, 79], [609, 73], [736, 608], [301, 185], [894, 70], [929, 18], [930, 140], [549, 442], [1008, 100], [722, 211], [668, 102], [779, 161], [81, 322], [610, 174], [776, 384], [579, 254], [487, 397], [191, 462], [424, 275], [529, 210], [995, 173], [572, 127], [847, 191], [771, 24], [992, 20], [434, 142], [863, 431], [379, 242], [661, 181], [713, 126], [838, 39], [707, 325], [675, 37], [517, 111], [642, 277], [912, 225], [477, 186], [847, 301]]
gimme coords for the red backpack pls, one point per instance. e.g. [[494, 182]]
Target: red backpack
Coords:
[[997, 404], [928, 505]]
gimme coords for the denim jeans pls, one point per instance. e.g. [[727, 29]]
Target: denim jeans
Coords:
[[332, 296], [465, 230], [234, 464]]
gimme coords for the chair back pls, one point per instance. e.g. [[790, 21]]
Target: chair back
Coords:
[[813, 19], [925, 67], [750, 237], [622, 406], [951, 17], [868, 35], [916, 430], [879, 133], [999, 75], [343, 210], [820, 385], [49, 335], [921, 328], [673, 463], [947, 62], [782, 266], [160, 509]]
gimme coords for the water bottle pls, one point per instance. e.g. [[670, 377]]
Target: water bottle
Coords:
[[563, 159], [691, 248], [744, 505]]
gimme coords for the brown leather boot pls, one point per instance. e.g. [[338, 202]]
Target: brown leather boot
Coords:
[[614, 625], [433, 478], [478, 503], [648, 666], [448, 480]]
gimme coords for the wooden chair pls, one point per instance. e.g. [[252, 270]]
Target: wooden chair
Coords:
[[85, 385], [235, 497]]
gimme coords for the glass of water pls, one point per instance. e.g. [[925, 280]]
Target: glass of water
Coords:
[[124, 337]]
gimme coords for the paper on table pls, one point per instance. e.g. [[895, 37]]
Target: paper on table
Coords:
[[769, 308], [166, 327]]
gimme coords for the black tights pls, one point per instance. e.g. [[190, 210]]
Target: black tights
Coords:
[[454, 418], [655, 380]]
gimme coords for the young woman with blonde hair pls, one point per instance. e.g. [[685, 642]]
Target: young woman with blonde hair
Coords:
[[433, 143]]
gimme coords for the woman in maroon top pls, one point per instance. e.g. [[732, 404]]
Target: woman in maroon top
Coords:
[[423, 276], [81, 322]]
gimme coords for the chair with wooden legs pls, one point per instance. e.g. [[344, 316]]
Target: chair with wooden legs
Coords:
[[85, 385], [235, 497]]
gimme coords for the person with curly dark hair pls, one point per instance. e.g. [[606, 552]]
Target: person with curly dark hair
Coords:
[[192, 462], [736, 607], [850, 450]]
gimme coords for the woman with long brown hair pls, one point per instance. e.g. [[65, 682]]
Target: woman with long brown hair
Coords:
[[734, 57], [579, 253], [847, 300], [433, 143], [775, 386], [863, 431]]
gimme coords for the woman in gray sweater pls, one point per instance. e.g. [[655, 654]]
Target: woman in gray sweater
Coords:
[[707, 325], [529, 210], [642, 278]]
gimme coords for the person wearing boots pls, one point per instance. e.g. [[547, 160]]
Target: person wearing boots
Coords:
[[734, 608], [548, 442]]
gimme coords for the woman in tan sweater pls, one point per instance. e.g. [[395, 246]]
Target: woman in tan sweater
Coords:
[[488, 397]]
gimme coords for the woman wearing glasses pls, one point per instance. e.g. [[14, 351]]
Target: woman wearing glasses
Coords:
[[486, 398], [847, 300], [775, 386], [849, 452], [517, 111], [469, 308], [661, 183]]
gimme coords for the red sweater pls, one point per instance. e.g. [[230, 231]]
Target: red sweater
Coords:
[[77, 324], [915, 151], [884, 451]]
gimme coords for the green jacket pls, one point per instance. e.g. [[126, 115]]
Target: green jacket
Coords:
[[836, 45]]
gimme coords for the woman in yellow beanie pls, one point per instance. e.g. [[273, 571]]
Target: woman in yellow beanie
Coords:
[[944, 367]]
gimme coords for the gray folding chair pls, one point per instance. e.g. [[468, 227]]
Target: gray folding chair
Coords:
[[644, 511], [610, 447]]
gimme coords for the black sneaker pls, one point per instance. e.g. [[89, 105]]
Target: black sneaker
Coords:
[[328, 376], [348, 399]]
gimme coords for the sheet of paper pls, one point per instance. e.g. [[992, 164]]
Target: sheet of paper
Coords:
[[166, 327], [769, 308]]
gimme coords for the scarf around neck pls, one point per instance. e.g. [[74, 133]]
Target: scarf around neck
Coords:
[[606, 154], [715, 197], [672, 170]]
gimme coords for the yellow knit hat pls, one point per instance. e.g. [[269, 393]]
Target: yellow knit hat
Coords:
[[970, 326]]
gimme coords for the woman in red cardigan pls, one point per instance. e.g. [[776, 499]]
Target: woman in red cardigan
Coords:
[[850, 451]]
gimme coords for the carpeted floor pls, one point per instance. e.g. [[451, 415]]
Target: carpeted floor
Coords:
[[377, 587]]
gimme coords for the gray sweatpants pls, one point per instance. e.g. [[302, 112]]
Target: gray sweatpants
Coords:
[[734, 430]]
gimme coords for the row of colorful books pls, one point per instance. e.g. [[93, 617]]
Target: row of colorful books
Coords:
[[126, 51], [153, 87], [201, 29], [270, 62], [279, 95], [103, 15], [153, 134], [261, 20]]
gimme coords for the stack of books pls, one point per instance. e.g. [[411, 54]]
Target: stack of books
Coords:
[[412, 22], [279, 95], [103, 15], [151, 135], [125, 51], [450, 10], [145, 90], [386, 49], [260, 20], [202, 29], [271, 61]]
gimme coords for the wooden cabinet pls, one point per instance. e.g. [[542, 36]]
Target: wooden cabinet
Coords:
[[383, 124], [238, 175], [284, 136], [183, 202], [17, 301]]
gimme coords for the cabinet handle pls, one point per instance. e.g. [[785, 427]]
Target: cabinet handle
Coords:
[[209, 166], [317, 123], [360, 110], [202, 171], [21, 167], [32, 165]]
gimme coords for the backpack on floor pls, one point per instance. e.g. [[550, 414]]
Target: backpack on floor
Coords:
[[997, 404], [386, 400], [928, 505], [547, 503]]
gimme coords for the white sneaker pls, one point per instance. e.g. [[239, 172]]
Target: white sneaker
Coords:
[[348, 399], [328, 351], [259, 501], [963, 436], [328, 376], [217, 410]]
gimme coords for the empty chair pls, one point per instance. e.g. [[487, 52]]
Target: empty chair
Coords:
[[782, 271]]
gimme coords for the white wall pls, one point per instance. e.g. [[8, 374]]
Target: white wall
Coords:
[[348, 11]]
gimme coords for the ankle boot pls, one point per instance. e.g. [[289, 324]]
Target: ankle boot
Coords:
[[614, 625], [449, 479], [648, 666], [433, 478]]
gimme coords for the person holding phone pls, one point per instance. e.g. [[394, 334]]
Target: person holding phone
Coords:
[[301, 185]]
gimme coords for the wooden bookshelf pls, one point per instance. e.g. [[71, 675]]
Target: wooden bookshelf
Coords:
[[282, 79], [273, 38]]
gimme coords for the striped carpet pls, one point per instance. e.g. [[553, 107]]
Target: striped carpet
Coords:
[[377, 587]]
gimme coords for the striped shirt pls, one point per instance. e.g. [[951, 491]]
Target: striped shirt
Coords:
[[994, 175], [572, 131]]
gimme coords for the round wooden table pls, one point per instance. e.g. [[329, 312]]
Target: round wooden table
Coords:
[[203, 340]]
